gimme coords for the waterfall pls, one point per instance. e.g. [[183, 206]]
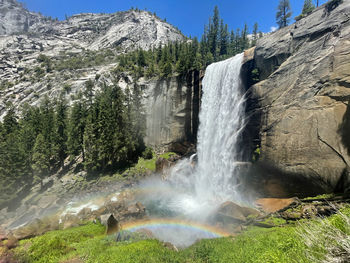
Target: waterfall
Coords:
[[221, 121], [196, 191]]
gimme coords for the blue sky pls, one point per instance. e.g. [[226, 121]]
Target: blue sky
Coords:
[[189, 16]]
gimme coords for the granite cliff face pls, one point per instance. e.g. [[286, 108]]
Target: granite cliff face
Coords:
[[300, 108], [94, 42]]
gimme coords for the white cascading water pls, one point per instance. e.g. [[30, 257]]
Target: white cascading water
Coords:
[[221, 122], [197, 191]]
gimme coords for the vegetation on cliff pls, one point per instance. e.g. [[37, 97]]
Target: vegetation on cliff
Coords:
[[106, 133]]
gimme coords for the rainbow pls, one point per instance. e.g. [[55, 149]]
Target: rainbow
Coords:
[[154, 224]]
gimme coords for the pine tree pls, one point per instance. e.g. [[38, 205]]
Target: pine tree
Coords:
[[76, 126], [283, 13], [224, 39], [255, 34], [308, 7], [41, 161], [214, 33], [61, 130], [244, 38], [232, 50], [10, 121], [91, 135]]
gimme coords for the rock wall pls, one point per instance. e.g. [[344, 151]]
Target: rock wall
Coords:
[[172, 108], [299, 111]]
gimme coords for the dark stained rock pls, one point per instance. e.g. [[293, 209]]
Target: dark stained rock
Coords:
[[112, 225]]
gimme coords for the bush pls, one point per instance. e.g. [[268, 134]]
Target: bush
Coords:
[[147, 153]]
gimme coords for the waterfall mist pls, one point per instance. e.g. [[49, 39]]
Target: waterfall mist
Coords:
[[196, 191]]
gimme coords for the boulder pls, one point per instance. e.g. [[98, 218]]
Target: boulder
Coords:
[[162, 165], [272, 205], [230, 212], [111, 223], [135, 211], [3, 235]]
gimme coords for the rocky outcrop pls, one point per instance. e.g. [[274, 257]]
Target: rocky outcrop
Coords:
[[300, 108], [14, 18], [125, 30]]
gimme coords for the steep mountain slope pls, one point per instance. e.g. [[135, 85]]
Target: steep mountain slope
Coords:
[[40, 56]]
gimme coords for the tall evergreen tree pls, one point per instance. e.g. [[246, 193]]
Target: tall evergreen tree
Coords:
[[214, 33], [308, 7], [244, 38], [283, 13], [224, 39], [76, 126], [41, 160], [255, 34], [61, 130]]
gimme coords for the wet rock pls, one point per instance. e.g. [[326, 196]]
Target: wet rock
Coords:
[[271, 205], [232, 212], [70, 220], [3, 235], [113, 207], [326, 210], [12, 242], [112, 225], [309, 211], [291, 215], [36, 227], [85, 213], [170, 246], [146, 232], [135, 211], [162, 165]]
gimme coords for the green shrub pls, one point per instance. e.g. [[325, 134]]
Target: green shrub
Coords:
[[148, 153]]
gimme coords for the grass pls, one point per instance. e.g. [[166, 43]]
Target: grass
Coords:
[[145, 166], [318, 240], [88, 243]]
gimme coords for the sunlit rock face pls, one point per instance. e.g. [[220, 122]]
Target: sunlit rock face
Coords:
[[25, 35], [300, 107]]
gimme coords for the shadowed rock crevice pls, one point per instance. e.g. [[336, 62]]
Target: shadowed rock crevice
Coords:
[[344, 129]]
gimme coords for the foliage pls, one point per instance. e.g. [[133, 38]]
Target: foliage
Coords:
[[308, 7], [148, 153], [106, 132], [283, 13]]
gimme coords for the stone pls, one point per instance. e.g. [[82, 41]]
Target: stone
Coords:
[[3, 235], [272, 205], [162, 165], [170, 246], [299, 110], [135, 211], [231, 212], [146, 232], [309, 211], [112, 225], [85, 213]]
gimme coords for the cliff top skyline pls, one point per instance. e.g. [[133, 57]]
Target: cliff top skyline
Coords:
[[188, 16]]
